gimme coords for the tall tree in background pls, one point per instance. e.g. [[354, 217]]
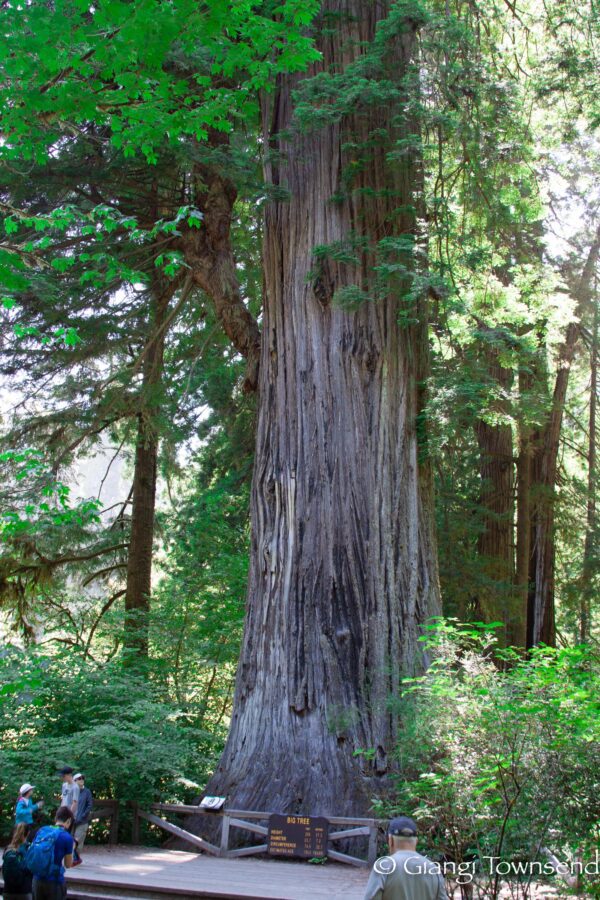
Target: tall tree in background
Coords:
[[541, 625], [589, 567], [483, 205], [143, 491], [115, 377], [201, 82], [496, 541]]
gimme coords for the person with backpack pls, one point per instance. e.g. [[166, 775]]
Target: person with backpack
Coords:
[[25, 807], [16, 875], [50, 853]]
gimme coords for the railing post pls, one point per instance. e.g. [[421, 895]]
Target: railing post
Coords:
[[113, 835], [225, 835], [372, 844], [135, 825]]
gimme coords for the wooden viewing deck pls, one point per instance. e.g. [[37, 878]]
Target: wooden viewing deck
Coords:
[[110, 873], [141, 873], [133, 871], [125, 872]]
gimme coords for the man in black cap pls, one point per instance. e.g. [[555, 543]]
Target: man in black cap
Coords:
[[69, 795], [405, 874]]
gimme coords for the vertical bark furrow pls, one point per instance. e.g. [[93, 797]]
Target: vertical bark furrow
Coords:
[[333, 621]]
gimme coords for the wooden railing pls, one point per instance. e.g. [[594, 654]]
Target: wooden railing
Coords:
[[249, 820], [108, 809]]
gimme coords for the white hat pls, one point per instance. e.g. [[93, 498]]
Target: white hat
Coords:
[[25, 788], [79, 775]]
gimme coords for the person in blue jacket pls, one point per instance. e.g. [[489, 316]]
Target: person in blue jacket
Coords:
[[25, 806]]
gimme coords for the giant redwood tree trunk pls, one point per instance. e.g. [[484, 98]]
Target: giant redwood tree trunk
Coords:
[[343, 567]]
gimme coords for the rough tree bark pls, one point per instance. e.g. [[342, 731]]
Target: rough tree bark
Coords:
[[139, 560], [540, 610], [495, 545], [343, 566], [524, 476]]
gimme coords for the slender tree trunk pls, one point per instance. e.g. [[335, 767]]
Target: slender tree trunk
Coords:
[[540, 599], [590, 531], [496, 541], [139, 562], [540, 613], [343, 567]]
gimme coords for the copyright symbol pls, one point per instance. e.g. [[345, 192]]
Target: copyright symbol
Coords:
[[385, 865]]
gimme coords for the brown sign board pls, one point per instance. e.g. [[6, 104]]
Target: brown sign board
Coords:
[[303, 836]]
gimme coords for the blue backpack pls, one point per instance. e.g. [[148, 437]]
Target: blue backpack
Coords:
[[39, 857]]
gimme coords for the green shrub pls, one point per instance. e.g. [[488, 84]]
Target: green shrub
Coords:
[[131, 741], [499, 754]]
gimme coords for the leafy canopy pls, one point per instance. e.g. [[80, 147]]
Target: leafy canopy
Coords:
[[145, 70]]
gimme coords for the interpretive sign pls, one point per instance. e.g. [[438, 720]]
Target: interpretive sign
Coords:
[[304, 836], [212, 803]]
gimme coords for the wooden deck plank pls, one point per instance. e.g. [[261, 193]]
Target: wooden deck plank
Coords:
[[184, 874]]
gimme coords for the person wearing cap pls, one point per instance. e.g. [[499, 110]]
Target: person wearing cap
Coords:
[[84, 811], [69, 798], [25, 806], [53, 886], [69, 794], [405, 874]]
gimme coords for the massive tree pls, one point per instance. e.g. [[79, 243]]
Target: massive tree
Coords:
[[343, 565]]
